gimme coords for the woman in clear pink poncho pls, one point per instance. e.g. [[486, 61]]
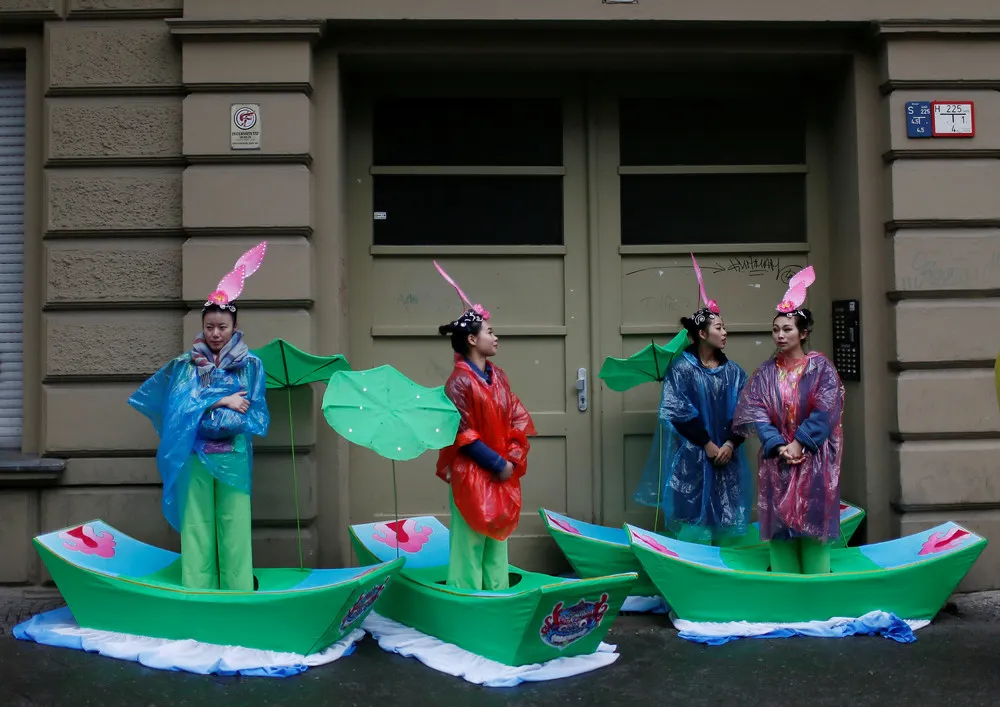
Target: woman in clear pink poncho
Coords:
[[794, 403]]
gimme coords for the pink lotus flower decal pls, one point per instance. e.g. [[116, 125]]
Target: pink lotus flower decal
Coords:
[[940, 542], [563, 525], [655, 545], [84, 539], [402, 534]]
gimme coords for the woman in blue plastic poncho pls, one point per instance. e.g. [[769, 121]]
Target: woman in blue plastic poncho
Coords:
[[697, 470], [205, 405]]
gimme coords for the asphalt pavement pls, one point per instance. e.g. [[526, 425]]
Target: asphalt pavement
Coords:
[[953, 662]]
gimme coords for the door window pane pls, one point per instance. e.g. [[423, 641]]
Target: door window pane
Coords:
[[713, 208], [524, 132], [468, 210], [712, 130]]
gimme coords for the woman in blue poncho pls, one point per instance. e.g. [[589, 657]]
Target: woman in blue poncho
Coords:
[[697, 470], [205, 405]]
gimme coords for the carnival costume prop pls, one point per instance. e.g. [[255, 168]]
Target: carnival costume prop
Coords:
[[205, 455], [114, 583], [386, 412], [484, 510], [803, 400], [700, 501], [287, 367]]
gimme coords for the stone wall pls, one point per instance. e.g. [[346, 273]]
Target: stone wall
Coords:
[[944, 225], [143, 207]]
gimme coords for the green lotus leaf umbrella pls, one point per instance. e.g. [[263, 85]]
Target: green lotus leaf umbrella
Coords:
[[388, 413], [287, 367], [645, 366], [384, 411]]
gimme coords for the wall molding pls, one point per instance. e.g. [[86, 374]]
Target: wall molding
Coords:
[[247, 231], [942, 436], [129, 233], [115, 91], [96, 161], [258, 304], [241, 158], [926, 224], [246, 30], [939, 85], [905, 295], [261, 87], [943, 154], [177, 305], [903, 366], [133, 14], [944, 507]]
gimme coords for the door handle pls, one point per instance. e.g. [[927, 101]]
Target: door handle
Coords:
[[581, 389]]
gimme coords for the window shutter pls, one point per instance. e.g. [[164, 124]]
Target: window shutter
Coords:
[[12, 169]]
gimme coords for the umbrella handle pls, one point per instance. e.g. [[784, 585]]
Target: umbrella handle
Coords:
[[395, 506], [295, 476], [659, 474]]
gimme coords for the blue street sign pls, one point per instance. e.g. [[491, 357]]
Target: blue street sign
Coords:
[[918, 119]]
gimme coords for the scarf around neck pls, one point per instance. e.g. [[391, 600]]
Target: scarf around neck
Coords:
[[232, 357]]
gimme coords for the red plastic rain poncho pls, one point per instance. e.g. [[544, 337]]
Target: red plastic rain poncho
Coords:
[[493, 414]]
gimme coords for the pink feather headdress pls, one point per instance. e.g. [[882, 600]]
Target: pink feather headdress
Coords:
[[710, 304], [476, 308], [795, 296], [231, 286]]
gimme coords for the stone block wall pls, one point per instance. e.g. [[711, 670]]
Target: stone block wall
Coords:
[[143, 207], [944, 224]]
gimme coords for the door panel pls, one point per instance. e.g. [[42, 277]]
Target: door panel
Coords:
[[748, 205], [537, 293]]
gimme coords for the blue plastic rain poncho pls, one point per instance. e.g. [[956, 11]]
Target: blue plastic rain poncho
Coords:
[[178, 402], [698, 405]]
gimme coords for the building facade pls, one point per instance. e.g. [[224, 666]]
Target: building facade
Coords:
[[511, 142]]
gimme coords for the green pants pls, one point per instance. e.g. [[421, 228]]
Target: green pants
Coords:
[[800, 556], [215, 534], [475, 561]]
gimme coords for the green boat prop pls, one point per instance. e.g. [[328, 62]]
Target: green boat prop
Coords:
[[911, 577], [113, 582], [596, 550], [539, 618]]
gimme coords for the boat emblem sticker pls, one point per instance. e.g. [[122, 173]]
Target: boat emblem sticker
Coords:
[[563, 525], [85, 539], [940, 542], [364, 602], [402, 533], [565, 626], [659, 547]]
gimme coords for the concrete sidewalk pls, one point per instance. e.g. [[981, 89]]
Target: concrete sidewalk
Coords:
[[954, 662]]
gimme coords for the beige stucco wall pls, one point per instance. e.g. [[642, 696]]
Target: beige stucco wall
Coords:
[[138, 205]]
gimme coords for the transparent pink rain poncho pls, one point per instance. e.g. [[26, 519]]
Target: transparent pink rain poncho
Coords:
[[801, 400]]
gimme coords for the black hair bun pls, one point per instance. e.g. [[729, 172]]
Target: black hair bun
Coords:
[[808, 317], [446, 329]]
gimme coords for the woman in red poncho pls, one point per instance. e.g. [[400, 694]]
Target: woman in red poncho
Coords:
[[485, 464]]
